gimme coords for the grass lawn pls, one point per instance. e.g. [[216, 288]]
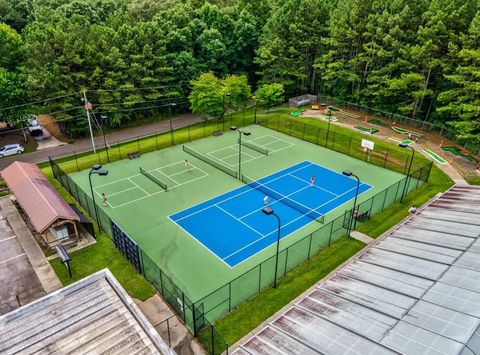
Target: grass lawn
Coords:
[[101, 255], [260, 307]]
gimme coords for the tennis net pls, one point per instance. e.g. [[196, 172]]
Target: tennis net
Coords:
[[211, 161], [154, 179], [255, 147], [315, 215]]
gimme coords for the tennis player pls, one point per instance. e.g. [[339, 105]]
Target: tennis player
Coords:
[[265, 200], [104, 199], [187, 166], [312, 180]]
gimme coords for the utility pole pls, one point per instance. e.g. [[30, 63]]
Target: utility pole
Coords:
[[87, 107]]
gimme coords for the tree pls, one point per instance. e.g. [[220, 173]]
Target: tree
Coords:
[[269, 95], [239, 90], [206, 97], [462, 100]]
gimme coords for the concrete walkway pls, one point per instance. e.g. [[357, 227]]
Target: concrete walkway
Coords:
[[44, 271], [361, 237], [174, 331], [86, 144]]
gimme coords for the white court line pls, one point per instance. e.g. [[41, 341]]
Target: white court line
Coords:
[[6, 261], [231, 197], [119, 192], [167, 176], [231, 215], [3, 240], [286, 224], [318, 187], [277, 201], [132, 176], [133, 182], [158, 192]]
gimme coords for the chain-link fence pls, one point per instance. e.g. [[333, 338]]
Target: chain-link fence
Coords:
[[197, 316]]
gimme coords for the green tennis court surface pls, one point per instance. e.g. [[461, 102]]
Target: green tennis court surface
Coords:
[[141, 201]]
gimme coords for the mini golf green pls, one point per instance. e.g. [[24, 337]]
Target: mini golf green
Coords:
[[457, 152], [434, 156], [378, 123], [365, 129], [406, 131]]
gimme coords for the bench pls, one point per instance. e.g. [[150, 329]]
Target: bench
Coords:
[[362, 216], [133, 155], [217, 133]]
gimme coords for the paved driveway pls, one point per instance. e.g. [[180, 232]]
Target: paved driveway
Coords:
[[84, 145], [19, 282]]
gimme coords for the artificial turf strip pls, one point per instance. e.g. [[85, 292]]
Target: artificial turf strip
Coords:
[[378, 123], [365, 129], [252, 313]]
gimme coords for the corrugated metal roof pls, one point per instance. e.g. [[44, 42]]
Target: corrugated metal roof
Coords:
[[38, 198], [92, 316], [417, 291]]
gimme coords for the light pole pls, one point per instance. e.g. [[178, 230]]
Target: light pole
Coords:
[[269, 212], [96, 169], [352, 217], [403, 145], [328, 126], [171, 107], [240, 132], [223, 106]]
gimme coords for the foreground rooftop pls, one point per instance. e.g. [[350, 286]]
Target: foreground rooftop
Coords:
[[92, 316], [417, 291]]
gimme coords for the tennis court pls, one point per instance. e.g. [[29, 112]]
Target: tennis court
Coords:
[[207, 249], [291, 196]]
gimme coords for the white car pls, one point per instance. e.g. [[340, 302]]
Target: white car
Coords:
[[11, 149], [34, 127]]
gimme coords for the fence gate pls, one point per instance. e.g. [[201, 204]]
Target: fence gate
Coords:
[[198, 318], [347, 216], [127, 246]]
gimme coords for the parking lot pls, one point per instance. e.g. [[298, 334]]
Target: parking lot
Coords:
[[20, 284]]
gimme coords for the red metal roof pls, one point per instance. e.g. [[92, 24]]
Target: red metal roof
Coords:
[[37, 196]]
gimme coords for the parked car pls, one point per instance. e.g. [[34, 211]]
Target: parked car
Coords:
[[11, 149], [34, 127]]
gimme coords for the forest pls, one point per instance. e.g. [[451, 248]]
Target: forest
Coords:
[[418, 58]]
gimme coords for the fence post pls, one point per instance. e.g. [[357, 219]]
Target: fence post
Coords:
[[138, 144], [331, 232], [386, 157], [291, 124], [194, 320], [76, 160], [161, 283], [260, 278], [286, 261], [213, 339], [349, 145], [183, 308], [304, 126], [119, 151], [168, 331], [230, 296], [309, 246], [333, 141], [156, 140]]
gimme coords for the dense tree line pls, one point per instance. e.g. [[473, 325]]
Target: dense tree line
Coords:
[[415, 57]]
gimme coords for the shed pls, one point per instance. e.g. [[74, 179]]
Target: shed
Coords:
[[48, 212]]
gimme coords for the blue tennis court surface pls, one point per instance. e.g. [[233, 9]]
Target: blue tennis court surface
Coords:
[[233, 226]]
